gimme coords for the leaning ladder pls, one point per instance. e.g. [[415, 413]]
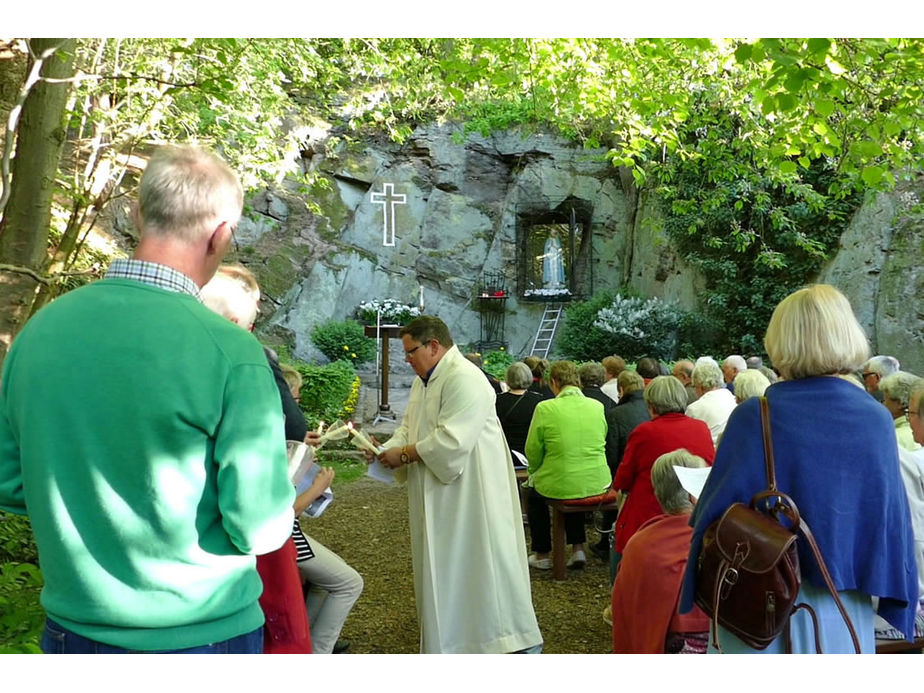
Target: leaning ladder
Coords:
[[546, 332]]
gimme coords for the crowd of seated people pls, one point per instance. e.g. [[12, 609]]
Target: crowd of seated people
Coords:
[[683, 418]]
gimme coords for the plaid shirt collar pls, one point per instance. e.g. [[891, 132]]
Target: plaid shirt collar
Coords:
[[154, 274]]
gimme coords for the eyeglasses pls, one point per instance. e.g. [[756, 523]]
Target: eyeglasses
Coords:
[[866, 374], [408, 354]]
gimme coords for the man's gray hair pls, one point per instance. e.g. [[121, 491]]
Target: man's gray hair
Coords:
[[737, 362], [666, 394], [708, 375], [674, 498], [186, 192], [898, 386], [518, 376], [882, 366]]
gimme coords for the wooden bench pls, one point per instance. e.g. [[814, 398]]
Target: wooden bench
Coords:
[[560, 508], [900, 646]]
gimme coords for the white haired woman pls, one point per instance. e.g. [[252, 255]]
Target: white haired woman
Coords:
[[516, 406], [835, 456], [647, 585]]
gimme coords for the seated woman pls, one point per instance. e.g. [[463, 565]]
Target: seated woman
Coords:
[[539, 368], [647, 586], [566, 452], [836, 457], [669, 429], [516, 406]]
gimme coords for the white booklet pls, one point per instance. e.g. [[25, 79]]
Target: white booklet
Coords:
[[302, 472], [319, 504], [380, 472]]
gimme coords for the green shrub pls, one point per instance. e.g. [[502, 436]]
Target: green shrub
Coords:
[[326, 390], [497, 361], [578, 339], [21, 614], [17, 544], [343, 340], [639, 326], [632, 326]]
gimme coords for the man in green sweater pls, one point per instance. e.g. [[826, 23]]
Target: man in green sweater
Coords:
[[143, 435]]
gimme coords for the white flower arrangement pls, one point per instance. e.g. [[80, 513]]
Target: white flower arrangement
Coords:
[[392, 311], [546, 293]]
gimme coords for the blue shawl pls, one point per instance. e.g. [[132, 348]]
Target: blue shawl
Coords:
[[837, 458]]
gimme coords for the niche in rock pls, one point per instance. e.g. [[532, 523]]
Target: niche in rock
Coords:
[[554, 249]]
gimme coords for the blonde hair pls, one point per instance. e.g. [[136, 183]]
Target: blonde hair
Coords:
[[813, 331], [292, 377], [565, 373], [750, 383], [233, 293]]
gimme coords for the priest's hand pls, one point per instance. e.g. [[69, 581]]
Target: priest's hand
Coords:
[[391, 458]]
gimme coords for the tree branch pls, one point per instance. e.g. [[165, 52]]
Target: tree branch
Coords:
[[48, 278]]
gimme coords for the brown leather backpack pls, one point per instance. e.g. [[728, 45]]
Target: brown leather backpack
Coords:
[[748, 576]]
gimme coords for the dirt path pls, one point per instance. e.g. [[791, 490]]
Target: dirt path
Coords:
[[368, 526]]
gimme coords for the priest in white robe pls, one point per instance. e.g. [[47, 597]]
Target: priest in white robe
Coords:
[[471, 577]]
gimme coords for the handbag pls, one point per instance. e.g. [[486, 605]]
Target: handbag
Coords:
[[748, 575]]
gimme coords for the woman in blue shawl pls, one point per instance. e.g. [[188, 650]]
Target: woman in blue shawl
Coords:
[[836, 457]]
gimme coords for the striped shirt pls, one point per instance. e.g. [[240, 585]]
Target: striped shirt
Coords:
[[302, 547], [153, 273]]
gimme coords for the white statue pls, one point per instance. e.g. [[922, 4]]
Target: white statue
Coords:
[[553, 267]]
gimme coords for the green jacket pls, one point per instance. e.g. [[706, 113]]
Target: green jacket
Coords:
[[143, 435], [566, 446]]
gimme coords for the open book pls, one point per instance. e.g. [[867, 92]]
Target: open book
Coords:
[[302, 472]]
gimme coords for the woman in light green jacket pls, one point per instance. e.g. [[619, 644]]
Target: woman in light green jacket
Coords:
[[566, 452]]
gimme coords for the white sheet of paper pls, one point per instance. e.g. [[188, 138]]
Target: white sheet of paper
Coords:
[[379, 471], [692, 480]]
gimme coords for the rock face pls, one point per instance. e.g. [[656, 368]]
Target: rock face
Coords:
[[459, 206], [878, 267], [455, 207]]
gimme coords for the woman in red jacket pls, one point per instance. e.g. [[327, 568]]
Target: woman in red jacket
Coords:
[[670, 429]]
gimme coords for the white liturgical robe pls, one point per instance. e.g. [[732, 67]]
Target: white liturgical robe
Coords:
[[471, 577]]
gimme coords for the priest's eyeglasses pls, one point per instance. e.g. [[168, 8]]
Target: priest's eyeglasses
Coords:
[[409, 353]]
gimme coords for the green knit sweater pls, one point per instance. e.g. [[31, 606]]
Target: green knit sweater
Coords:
[[143, 435]]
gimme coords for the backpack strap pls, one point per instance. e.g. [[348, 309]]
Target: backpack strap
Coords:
[[807, 533]]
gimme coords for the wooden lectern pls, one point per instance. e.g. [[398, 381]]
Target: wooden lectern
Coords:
[[386, 333]]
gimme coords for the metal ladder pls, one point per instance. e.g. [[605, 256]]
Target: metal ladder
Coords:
[[546, 332]]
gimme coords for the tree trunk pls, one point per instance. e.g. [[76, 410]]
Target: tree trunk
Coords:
[[26, 218]]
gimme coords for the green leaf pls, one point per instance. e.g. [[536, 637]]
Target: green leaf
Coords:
[[787, 167], [786, 101], [819, 45], [868, 149], [743, 52], [824, 107], [872, 175]]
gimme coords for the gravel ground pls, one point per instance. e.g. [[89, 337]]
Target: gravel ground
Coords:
[[368, 526]]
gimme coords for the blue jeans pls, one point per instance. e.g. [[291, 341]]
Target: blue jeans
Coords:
[[56, 639]]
